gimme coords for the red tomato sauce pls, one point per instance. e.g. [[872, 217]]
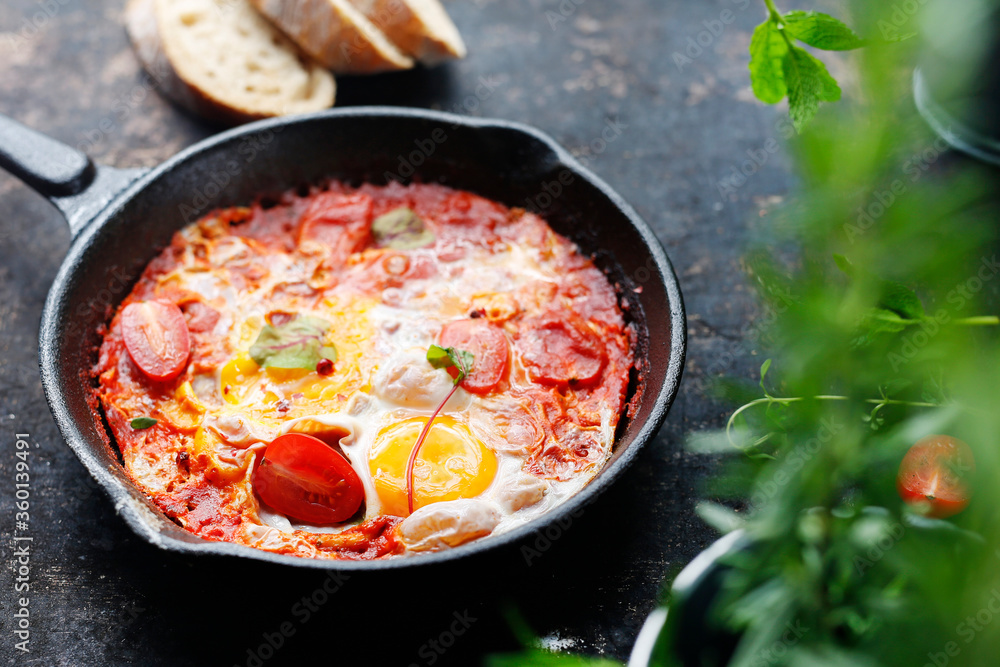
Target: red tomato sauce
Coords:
[[562, 368]]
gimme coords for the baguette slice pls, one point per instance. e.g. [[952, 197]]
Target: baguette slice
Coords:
[[420, 28], [224, 61], [336, 34]]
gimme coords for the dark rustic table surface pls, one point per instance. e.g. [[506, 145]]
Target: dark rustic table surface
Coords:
[[574, 68]]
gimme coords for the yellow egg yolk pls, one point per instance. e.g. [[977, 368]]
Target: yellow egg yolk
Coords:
[[451, 464]]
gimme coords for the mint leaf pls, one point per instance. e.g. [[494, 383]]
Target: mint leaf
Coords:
[[897, 306], [401, 229], [450, 357], [297, 343], [900, 299], [808, 84], [883, 320], [821, 31], [767, 52], [439, 357], [142, 423]]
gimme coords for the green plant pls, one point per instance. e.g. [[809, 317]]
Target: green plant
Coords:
[[779, 68], [879, 284]]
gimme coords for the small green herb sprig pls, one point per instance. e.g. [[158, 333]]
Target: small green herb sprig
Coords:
[[779, 68], [450, 359]]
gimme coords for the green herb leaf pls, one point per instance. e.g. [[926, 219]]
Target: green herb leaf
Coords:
[[764, 368], [297, 343], [142, 423], [894, 297], [450, 357], [767, 52], [901, 300], [808, 84], [821, 31], [401, 229]]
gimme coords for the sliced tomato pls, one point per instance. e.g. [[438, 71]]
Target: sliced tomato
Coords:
[[936, 473], [488, 344], [156, 337], [557, 353], [305, 479]]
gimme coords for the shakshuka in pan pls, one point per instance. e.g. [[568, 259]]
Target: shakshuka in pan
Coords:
[[365, 372]]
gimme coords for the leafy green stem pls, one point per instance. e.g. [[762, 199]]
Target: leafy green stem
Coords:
[[979, 321], [778, 20], [773, 11], [438, 357], [770, 400]]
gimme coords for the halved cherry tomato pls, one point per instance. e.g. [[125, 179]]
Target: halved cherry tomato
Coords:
[[487, 343], [307, 480], [557, 353], [937, 473], [156, 337]]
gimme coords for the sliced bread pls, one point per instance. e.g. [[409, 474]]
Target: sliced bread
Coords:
[[336, 34], [420, 28], [224, 61]]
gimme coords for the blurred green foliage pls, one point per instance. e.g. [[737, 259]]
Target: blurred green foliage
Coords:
[[879, 290]]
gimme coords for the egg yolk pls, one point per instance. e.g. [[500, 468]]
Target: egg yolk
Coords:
[[237, 377], [451, 464]]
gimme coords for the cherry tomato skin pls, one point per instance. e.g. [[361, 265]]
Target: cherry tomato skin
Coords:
[[489, 348], [557, 353], [936, 473], [307, 480], [157, 339]]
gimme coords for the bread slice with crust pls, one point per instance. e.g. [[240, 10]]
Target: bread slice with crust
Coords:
[[420, 28], [224, 61], [336, 34]]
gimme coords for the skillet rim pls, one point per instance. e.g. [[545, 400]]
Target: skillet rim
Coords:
[[136, 515]]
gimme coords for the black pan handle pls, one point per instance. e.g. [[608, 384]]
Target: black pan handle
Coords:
[[65, 176]]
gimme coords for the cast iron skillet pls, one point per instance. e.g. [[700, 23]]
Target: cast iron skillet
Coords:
[[120, 219]]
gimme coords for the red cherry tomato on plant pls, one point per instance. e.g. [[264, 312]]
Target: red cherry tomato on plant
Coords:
[[307, 480], [490, 352], [937, 473], [156, 337]]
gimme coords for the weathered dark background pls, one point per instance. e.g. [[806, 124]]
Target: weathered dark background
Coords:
[[99, 595]]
